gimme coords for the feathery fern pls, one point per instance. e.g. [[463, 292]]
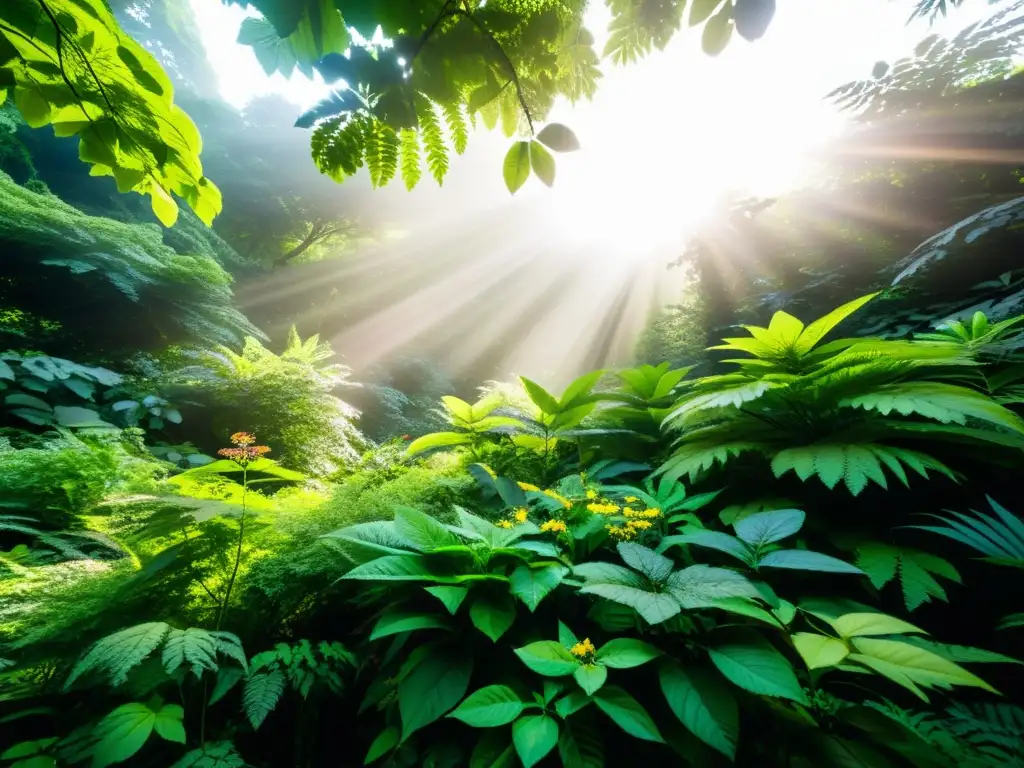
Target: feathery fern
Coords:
[[262, 692], [883, 563], [999, 537]]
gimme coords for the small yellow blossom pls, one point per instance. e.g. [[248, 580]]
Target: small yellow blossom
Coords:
[[632, 499], [559, 498], [583, 649], [603, 509], [528, 486], [553, 526], [521, 514], [649, 514], [591, 494], [504, 523], [639, 525], [621, 533]]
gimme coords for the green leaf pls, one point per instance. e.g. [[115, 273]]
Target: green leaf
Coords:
[[821, 327], [626, 712], [819, 651], [261, 693], [764, 528], [452, 597], [531, 585], [79, 418], [493, 614], [654, 607], [122, 733], [168, 723], [435, 685], [395, 568], [421, 530], [164, 207], [541, 397], [625, 653], [701, 10], [534, 736], [227, 678], [704, 704], [34, 108], [493, 750], [394, 623], [19, 398], [918, 665], [722, 542], [548, 658], [516, 168], [437, 440], [566, 636], [803, 560], [752, 663], [655, 567], [882, 563], [701, 586], [590, 677], [489, 707], [861, 624], [718, 31], [571, 703], [558, 137], [386, 741], [542, 163], [579, 745]]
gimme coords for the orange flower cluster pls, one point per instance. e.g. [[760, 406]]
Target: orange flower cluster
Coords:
[[244, 451]]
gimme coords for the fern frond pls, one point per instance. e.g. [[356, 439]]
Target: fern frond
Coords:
[[381, 151], [195, 646], [117, 654], [262, 692], [411, 170], [948, 403], [693, 458], [999, 537], [883, 562], [455, 119], [433, 139], [338, 146], [229, 645]]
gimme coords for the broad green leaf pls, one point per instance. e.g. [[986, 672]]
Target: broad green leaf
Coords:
[[421, 530], [79, 418], [590, 677], [566, 636], [627, 713], [624, 653], [722, 542], [704, 704], [559, 138], [531, 585], [34, 107], [438, 440], [452, 597], [516, 168], [493, 614], [548, 658], [861, 624], [922, 666], [768, 527], [752, 663], [394, 623], [701, 586], [489, 707], [460, 409], [122, 733], [571, 703], [541, 397], [819, 651], [803, 560], [19, 398], [542, 163], [655, 567], [168, 723], [433, 686], [395, 568], [820, 328], [654, 607], [534, 736], [227, 678], [386, 741]]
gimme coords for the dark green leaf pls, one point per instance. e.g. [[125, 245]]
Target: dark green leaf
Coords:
[[546, 657], [489, 707], [531, 585], [627, 713], [432, 688], [534, 737], [493, 614], [752, 663], [704, 704]]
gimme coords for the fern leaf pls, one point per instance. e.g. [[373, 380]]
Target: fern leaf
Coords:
[[262, 692], [693, 458], [882, 563], [229, 645], [455, 119], [433, 140], [117, 654], [195, 646], [338, 146], [947, 403], [411, 171], [381, 151], [854, 464]]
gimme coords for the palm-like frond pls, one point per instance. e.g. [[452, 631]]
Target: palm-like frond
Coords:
[[999, 536]]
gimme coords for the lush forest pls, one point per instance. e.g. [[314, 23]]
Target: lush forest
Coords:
[[256, 511]]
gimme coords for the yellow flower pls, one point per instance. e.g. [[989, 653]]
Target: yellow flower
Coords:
[[504, 523], [559, 498], [603, 509], [620, 533], [632, 499], [553, 526], [642, 513], [583, 649], [521, 514], [591, 494], [639, 525], [528, 486]]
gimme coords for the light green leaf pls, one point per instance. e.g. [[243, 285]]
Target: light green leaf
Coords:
[[534, 736], [34, 108], [861, 624], [752, 663], [627, 713], [566, 636], [718, 31], [559, 138], [493, 614], [704, 704], [571, 703], [548, 658], [489, 707], [819, 651], [542, 163], [452, 597], [395, 568], [820, 328], [541, 397], [531, 585], [624, 653], [437, 440], [921, 666], [590, 677], [421, 530], [516, 168], [122, 733], [168, 723]]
